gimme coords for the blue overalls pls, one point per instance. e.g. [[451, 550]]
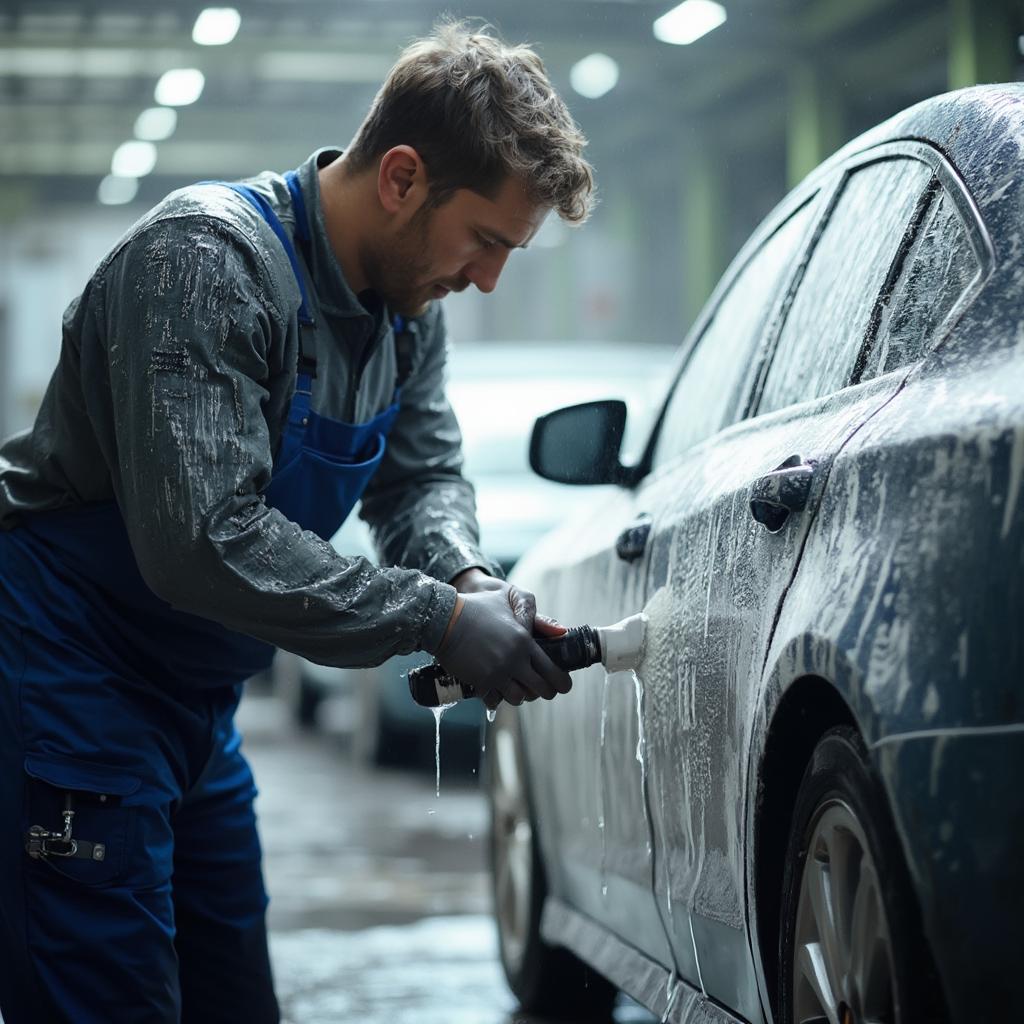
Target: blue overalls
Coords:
[[120, 763]]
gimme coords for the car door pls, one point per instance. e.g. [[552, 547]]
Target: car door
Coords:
[[593, 811], [717, 574]]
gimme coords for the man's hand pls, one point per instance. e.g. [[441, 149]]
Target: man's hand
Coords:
[[514, 668], [523, 603]]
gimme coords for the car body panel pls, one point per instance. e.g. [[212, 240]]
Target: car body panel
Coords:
[[662, 992], [724, 576], [960, 814], [909, 465], [600, 867]]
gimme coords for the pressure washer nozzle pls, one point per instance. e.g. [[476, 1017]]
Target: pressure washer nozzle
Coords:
[[618, 648]]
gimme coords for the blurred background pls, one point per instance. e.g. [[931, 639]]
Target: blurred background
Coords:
[[700, 118], [693, 143]]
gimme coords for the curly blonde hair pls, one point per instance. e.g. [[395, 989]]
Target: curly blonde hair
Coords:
[[477, 111]]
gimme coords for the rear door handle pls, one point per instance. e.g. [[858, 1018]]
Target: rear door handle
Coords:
[[632, 542], [776, 495]]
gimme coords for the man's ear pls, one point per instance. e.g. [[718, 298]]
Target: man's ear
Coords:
[[402, 180]]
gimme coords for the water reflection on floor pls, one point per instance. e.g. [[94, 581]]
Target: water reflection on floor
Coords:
[[379, 907]]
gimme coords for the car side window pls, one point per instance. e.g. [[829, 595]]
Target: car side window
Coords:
[[937, 269], [706, 391], [831, 313]]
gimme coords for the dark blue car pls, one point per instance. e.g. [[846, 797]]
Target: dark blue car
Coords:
[[807, 804]]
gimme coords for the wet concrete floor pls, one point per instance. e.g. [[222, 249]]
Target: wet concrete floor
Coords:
[[379, 905]]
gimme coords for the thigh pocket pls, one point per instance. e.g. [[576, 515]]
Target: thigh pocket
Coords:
[[75, 817]]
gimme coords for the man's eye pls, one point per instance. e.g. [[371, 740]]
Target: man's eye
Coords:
[[487, 243]]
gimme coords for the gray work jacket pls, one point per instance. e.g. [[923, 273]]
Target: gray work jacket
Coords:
[[177, 369]]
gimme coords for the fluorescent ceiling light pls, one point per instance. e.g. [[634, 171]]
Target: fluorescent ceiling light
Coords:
[[594, 75], [689, 21], [179, 87], [133, 159], [156, 124], [115, 190], [216, 26]]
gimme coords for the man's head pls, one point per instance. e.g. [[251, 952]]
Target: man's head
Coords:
[[471, 147]]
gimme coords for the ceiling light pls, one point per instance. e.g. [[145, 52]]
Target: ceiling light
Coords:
[[179, 87], [156, 124], [115, 190], [689, 21], [133, 159], [216, 26], [594, 75]]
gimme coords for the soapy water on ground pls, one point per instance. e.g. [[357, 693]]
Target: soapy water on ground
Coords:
[[439, 970]]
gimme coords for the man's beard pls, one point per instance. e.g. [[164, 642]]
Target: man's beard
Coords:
[[399, 272]]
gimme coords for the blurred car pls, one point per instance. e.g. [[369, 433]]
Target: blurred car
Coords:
[[805, 804], [497, 391]]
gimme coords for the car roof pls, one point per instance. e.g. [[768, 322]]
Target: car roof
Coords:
[[980, 130]]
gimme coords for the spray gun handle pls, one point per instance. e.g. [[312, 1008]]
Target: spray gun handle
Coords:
[[432, 685]]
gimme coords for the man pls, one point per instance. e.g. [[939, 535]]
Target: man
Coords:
[[247, 363]]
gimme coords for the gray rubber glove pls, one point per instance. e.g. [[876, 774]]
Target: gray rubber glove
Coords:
[[488, 647]]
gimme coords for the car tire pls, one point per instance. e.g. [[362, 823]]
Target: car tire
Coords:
[[851, 943], [547, 980]]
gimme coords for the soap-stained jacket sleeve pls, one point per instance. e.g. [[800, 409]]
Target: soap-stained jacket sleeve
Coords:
[[187, 349], [420, 508]]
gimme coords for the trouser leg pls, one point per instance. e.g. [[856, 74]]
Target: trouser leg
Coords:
[[85, 939], [21, 995], [219, 898]]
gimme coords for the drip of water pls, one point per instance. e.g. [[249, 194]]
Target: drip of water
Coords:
[[438, 712], [639, 689], [491, 715], [600, 768], [696, 958], [671, 992], [641, 746]]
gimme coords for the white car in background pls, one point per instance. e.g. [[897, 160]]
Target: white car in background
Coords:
[[497, 390]]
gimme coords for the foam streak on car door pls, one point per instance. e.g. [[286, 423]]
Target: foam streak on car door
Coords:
[[724, 574], [586, 784]]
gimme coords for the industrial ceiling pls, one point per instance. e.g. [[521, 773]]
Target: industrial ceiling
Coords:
[[74, 77]]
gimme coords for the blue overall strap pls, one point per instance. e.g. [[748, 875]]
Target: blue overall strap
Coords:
[[298, 205], [267, 211]]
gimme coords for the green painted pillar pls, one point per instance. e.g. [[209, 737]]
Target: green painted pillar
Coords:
[[17, 201], [705, 219], [815, 121], [982, 42]]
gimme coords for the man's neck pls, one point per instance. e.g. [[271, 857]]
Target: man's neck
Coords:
[[346, 200]]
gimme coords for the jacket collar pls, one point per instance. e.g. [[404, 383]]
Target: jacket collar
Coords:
[[334, 295]]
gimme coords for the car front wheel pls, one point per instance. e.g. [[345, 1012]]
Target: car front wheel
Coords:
[[547, 980], [851, 949]]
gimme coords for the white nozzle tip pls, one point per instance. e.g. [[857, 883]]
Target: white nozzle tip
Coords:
[[622, 645]]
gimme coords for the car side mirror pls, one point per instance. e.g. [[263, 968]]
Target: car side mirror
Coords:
[[580, 444]]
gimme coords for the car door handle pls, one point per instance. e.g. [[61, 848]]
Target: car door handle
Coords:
[[776, 495], [632, 542]]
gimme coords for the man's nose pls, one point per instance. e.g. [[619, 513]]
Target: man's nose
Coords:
[[485, 270]]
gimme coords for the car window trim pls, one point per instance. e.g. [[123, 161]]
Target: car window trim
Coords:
[[809, 192], [970, 216]]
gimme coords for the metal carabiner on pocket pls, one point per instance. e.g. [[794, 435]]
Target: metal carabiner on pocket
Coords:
[[41, 842]]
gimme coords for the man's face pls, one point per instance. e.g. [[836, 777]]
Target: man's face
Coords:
[[445, 249]]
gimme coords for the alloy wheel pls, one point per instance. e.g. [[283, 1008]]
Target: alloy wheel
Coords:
[[513, 845], [843, 962]]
